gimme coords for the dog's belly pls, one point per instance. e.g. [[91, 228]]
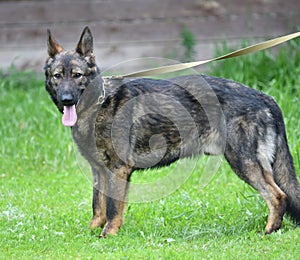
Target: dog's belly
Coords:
[[156, 141]]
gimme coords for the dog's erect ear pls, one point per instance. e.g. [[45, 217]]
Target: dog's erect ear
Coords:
[[53, 46], [85, 44]]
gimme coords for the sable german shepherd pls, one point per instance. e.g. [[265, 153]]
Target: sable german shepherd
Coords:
[[144, 123]]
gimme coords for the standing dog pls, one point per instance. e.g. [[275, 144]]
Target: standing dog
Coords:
[[147, 123]]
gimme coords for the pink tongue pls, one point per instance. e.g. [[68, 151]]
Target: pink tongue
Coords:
[[69, 117]]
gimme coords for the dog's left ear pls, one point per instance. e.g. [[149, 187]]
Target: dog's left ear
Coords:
[[85, 44]]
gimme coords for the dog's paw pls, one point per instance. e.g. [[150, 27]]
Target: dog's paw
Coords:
[[97, 223], [109, 229]]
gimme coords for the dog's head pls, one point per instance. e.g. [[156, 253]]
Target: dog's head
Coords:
[[68, 73]]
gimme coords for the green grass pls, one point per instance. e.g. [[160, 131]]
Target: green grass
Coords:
[[45, 204]]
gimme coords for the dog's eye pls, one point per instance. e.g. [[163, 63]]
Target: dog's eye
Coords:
[[77, 75], [57, 75]]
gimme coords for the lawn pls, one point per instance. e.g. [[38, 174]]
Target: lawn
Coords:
[[45, 205]]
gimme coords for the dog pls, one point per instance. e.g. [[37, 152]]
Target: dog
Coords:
[[122, 125]]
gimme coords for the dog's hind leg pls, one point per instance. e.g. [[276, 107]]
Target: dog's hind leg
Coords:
[[254, 172], [99, 198], [276, 200], [118, 183]]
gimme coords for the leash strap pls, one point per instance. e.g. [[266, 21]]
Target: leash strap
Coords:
[[176, 67]]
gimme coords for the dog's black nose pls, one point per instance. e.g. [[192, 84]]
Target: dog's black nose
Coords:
[[67, 99]]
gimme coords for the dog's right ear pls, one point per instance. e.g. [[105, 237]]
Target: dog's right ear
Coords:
[[53, 46]]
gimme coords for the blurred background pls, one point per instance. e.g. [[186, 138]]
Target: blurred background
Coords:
[[128, 29]]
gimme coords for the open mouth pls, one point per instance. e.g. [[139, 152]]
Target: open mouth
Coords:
[[69, 117]]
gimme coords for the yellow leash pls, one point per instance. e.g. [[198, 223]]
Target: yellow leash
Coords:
[[176, 67]]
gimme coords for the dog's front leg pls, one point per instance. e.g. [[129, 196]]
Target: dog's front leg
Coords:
[[118, 183], [99, 197]]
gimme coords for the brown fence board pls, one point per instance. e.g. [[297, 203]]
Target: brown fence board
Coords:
[[124, 29]]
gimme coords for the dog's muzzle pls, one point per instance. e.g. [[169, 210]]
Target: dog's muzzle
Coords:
[[67, 99]]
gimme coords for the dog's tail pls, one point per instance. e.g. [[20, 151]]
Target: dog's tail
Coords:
[[285, 176]]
